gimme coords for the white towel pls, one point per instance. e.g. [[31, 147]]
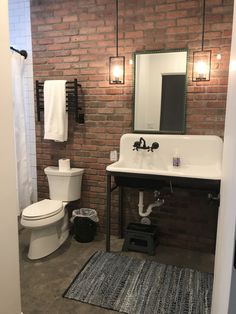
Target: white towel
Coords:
[[55, 115]]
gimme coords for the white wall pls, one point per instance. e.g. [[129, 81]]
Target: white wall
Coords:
[[20, 38], [227, 211], [9, 261]]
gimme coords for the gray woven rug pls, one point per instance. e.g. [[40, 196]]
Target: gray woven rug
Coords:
[[135, 286]]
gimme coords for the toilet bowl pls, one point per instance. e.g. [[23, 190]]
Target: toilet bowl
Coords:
[[48, 219], [45, 219]]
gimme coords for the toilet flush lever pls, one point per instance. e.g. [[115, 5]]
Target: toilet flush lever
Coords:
[[212, 197]]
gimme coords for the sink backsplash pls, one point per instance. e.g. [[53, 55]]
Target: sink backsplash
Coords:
[[192, 149]]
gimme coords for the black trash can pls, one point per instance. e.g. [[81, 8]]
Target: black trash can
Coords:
[[85, 224]]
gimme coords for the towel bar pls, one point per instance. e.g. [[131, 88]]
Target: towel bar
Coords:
[[72, 99]]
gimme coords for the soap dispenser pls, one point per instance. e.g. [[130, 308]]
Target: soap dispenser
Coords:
[[176, 158]]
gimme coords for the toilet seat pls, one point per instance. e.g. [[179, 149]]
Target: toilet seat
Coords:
[[42, 210]]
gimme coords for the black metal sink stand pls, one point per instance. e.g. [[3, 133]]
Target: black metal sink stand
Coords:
[[110, 189], [147, 181]]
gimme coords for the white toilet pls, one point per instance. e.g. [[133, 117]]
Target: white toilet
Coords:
[[48, 219]]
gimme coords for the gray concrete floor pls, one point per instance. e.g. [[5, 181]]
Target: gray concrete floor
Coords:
[[44, 281]]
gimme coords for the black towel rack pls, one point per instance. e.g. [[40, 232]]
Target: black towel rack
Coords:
[[72, 99]]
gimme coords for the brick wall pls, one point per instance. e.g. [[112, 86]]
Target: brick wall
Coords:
[[75, 39]]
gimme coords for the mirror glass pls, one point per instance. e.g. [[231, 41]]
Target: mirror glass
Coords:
[[160, 91]]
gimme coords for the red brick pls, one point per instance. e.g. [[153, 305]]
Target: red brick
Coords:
[[134, 35], [61, 26], [70, 18], [176, 30], [44, 28], [71, 59], [176, 14], [87, 30], [62, 66], [187, 5], [87, 16], [71, 72], [96, 37], [166, 23], [165, 7], [55, 47], [105, 29], [37, 21], [188, 21], [52, 20], [144, 26], [43, 41], [62, 40]]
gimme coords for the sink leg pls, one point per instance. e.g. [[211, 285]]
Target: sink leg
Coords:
[[121, 217], [108, 213]]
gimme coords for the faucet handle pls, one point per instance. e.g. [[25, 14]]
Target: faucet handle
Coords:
[[155, 145], [136, 145]]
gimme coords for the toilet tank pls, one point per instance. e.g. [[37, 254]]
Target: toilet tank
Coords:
[[64, 185]]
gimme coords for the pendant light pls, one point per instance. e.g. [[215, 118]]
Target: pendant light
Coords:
[[117, 63], [202, 58]]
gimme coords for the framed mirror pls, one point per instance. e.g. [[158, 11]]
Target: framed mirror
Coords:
[[160, 79]]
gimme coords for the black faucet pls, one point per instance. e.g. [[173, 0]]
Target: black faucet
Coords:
[[141, 144]]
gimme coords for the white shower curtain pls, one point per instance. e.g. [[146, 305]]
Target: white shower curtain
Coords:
[[24, 180]]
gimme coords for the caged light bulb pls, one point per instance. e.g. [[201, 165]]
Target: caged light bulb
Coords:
[[117, 72], [201, 69]]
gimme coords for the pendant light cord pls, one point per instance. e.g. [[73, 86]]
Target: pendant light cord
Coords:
[[117, 21], [203, 22]]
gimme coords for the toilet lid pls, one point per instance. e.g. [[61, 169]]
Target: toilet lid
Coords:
[[42, 209]]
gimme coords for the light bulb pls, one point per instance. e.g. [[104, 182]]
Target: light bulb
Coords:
[[201, 69], [117, 72]]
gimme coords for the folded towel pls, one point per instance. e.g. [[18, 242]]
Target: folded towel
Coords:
[[55, 115]]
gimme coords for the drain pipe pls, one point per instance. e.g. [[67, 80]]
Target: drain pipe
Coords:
[[148, 211]]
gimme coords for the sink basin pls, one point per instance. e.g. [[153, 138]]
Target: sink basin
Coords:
[[200, 156]]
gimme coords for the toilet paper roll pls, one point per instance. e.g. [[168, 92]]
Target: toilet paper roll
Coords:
[[64, 164]]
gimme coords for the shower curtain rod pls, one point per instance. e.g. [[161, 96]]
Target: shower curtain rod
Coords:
[[21, 52]]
